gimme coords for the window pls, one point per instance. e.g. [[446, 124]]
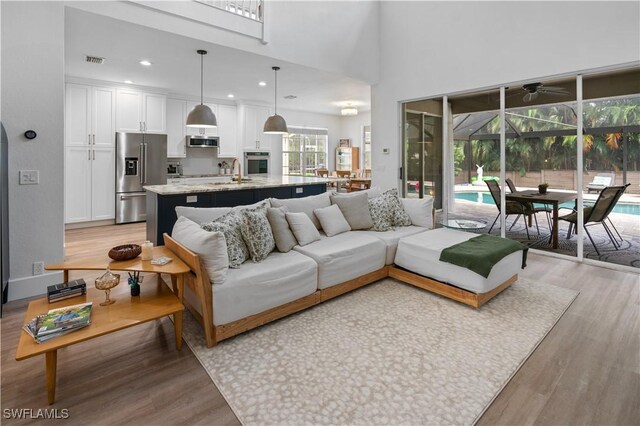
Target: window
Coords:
[[366, 143], [304, 150]]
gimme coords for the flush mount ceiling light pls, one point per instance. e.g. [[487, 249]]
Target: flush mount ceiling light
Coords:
[[201, 116], [128, 81], [145, 63], [262, 83], [349, 110], [275, 124], [231, 95]]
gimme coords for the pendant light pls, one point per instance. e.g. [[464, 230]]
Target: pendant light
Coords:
[[201, 116], [275, 124]]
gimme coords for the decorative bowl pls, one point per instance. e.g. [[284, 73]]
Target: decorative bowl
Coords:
[[125, 252], [106, 282]]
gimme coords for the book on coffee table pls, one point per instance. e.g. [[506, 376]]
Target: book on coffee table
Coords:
[[59, 321]]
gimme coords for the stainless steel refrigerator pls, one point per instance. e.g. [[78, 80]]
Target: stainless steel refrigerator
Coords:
[[141, 159]]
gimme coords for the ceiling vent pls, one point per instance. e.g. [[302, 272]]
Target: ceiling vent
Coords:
[[94, 59], [290, 97]]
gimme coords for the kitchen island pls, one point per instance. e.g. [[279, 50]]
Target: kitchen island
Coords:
[[162, 200]]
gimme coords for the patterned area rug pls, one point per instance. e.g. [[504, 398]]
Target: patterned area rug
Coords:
[[386, 354]]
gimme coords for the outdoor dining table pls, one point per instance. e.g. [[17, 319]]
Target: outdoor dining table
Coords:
[[550, 198]]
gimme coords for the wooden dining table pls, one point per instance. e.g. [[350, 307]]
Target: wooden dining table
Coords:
[[550, 198]]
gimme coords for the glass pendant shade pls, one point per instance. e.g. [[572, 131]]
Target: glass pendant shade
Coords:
[[202, 116], [275, 125]]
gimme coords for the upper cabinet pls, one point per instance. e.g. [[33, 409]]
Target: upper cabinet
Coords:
[[251, 128], [89, 115], [141, 112], [176, 129], [227, 131]]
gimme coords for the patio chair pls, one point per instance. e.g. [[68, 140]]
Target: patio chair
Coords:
[[530, 206], [598, 213], [600, 181], [512, 207]]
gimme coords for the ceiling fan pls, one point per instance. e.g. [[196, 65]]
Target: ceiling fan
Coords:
[[534, 89]]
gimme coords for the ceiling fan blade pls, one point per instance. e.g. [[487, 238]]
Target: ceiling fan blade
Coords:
[[553, 89]]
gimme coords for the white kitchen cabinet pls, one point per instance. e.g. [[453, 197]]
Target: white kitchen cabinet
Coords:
[[89, 183], [253, 118], [227, 131], [77, 184], [140, 112], [210, 131], [176, 129], [89, 115]]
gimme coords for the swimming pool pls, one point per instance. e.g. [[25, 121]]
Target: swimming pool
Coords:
[[485, 198]]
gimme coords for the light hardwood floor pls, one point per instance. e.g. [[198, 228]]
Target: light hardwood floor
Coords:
[[586, 371]]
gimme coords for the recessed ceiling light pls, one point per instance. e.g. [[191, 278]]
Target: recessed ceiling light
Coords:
[[231, 95], [290, 97], [145, 63], [128, 81], [262, 83]]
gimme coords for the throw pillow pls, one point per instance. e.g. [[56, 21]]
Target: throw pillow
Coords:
[[201, 215], [420, 211], [355, 209], [229, 225], [332, 220], [302, 228], [304, 205], [284, 238], [260, 204], [256, 233], [399, 216], [380, 214], [210, 246]]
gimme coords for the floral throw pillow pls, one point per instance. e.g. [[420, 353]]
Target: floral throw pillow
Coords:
[[399, 216], [229, 225], [380, 213], [257, 233]]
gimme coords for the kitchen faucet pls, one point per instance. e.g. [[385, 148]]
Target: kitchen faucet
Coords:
[[233, 163]]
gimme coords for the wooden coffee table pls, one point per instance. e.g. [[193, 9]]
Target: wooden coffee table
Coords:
[[156, 300]]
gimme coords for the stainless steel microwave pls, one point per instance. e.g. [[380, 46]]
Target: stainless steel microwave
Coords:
[[199, 141]]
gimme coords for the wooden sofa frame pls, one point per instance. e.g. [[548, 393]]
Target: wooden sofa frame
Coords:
[[198, 280]]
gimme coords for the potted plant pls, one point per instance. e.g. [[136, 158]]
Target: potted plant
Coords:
[[542, 188], [134, 283]]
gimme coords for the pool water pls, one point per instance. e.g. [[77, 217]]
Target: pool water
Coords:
[[485, 198]]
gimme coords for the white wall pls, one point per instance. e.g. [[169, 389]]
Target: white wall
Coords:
[[33, 98], [433, 48], [340, 37]]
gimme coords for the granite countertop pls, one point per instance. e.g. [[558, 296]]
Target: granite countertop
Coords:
[[253, 183]]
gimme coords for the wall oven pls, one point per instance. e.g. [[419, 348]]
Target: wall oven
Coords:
[[257, 163]]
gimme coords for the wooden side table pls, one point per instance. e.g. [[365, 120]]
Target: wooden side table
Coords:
[[156, 300], [176, 268]]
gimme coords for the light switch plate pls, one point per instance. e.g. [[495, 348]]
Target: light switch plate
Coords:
[[192, 198], [29, 177]]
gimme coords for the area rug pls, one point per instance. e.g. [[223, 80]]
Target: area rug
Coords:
[[386, 354]]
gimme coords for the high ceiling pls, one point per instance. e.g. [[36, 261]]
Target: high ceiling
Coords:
[[176, 67]]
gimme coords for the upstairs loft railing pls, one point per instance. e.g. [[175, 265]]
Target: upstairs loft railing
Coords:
[[252, 9]]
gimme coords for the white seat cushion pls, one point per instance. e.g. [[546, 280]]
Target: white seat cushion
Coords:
[[256, 287], [390, 238], [344, 257], [420, 253]]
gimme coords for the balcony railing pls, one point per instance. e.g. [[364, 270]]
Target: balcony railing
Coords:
[[252, 9]]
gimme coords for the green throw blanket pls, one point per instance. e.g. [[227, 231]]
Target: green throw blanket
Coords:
[[481, 253]]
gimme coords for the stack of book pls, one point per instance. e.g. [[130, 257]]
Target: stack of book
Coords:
[[59, 321], [66, 290]]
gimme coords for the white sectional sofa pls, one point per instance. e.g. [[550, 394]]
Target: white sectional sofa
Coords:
[[284, 283]]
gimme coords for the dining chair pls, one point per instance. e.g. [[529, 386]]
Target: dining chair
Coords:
[[512, 207], [530, 206], [598, 213], [344, 174]]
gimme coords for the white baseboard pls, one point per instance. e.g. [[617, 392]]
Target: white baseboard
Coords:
[[21, 288], [92, 224]]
